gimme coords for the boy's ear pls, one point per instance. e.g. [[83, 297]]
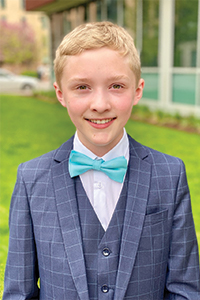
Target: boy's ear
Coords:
[[59, 94], [138, 92]]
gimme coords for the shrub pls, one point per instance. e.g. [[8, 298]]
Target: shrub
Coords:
[[29, 73]]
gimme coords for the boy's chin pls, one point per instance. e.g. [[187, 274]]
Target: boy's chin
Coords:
[[102, 145]]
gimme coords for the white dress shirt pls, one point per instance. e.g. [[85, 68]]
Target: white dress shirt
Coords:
[[102, 191]]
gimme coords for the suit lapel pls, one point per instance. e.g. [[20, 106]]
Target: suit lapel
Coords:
[[69, 220], [139, 172]]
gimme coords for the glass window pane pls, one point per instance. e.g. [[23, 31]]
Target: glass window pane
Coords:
[[23, 4], [130, 17], [184, 86], [98, 4], [44, 22], [151, 85], [112, 10], [185, 43], [3, 3], [67, 22], [149, 54]]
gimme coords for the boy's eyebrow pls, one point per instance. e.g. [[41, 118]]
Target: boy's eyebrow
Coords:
[[118, 77], [77, 79], [111, 78]]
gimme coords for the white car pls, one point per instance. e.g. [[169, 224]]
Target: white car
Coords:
[[10, 82]]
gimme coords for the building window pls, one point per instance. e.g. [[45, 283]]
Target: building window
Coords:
[[112, 10], [23, 4], [43, 21], [149, 53], [151, 90], [184, 88], [130, 16], [67, 22], [185, 41], [98, 9], [3, 3]]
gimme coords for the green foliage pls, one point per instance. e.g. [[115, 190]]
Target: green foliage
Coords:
[[49, 96], [1, 279], [31, 127], [158, 117], [149, 54], [186, 18], [29, 73]]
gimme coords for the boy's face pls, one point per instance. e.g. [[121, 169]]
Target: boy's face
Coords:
[[98, 89]]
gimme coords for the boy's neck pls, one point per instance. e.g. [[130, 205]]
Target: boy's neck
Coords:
[[102, 153]]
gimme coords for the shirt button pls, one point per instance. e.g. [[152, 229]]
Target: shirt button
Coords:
[[105, 288], [106, 251], [99, 185]]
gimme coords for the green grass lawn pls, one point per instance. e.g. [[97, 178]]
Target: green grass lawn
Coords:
[[30, 127]]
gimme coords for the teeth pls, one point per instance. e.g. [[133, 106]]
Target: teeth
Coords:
[[101, 121]]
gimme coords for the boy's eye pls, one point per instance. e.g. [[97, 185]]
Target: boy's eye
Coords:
[[82, 87], [116, 86]]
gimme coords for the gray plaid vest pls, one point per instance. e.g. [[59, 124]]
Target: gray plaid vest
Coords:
[[101, 249]]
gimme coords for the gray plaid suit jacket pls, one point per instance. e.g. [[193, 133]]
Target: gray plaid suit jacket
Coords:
[[158, 255]]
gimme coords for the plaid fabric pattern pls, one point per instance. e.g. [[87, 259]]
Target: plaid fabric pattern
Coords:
[[158, 255]]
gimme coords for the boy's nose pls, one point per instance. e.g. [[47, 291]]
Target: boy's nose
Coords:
[[100, 102]]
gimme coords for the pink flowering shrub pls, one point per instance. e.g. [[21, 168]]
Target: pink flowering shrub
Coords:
[[17, 43]]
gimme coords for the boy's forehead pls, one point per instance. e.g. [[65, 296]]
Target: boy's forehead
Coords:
[[88, 55], [82, 66]]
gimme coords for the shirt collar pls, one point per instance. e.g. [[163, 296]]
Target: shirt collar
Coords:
[[121, 149]]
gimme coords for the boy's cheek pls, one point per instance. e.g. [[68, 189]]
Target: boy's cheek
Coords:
[[125, 105]]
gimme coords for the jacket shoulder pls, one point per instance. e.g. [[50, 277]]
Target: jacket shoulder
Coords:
[[152, 156], [46, 161]]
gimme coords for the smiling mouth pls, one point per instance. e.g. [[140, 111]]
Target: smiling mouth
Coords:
[[104, 121]]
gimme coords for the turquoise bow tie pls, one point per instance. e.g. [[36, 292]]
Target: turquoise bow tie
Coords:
[[114, 168]]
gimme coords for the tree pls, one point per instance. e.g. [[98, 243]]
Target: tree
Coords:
[[186, 21], [17, 43]]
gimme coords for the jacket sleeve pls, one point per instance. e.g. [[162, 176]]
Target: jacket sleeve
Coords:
[[21, 275], [183, 277]]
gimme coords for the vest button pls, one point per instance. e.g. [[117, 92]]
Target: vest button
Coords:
[[106, 251], [105, 288]]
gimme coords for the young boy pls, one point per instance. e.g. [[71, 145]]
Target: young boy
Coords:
[[102, 217]]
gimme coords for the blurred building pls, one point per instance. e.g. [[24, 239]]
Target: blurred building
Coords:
[[167, 36], [14, 11]]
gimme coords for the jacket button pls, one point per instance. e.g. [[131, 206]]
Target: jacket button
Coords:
[[105, 288], [106, 251]]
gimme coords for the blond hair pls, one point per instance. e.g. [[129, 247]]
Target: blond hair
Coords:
[[93, 36]]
